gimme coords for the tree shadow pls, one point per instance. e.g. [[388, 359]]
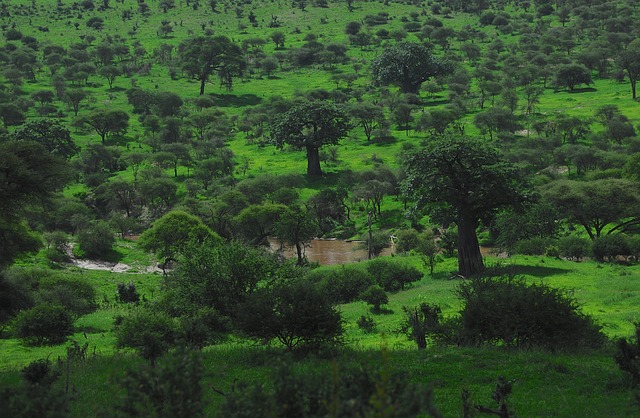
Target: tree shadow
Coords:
[[518, 270], [582, 90], [232, 100], [382, 310]]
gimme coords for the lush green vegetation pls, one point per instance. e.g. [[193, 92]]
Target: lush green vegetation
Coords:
[[434, 125]]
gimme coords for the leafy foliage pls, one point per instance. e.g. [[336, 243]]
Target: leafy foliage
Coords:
[[468, 178], [295, 313], [347, 391], [43, 325], [407, 65], [508, 311], [170, 388]]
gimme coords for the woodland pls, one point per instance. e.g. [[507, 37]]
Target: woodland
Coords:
[[483, 154]]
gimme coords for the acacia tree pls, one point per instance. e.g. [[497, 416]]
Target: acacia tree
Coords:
[[49, 133], [469, 179], [407, 65], [599, 205], [310, 125], [202, 56], [108, 122]]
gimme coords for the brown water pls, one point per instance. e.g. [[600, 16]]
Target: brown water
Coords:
[[327, 252]]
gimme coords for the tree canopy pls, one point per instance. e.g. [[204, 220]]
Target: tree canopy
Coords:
[[311, 125], [469, 179], [203, 56], [407, 65]]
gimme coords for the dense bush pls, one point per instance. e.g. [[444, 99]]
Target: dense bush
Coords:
[[148, 331], [508, 311], [75, 293], [610, 247], [341, 285], [295, 313], [392, 275], [37, 395], [171, 388], [574, 248], [627, 356], [96, 240], [127, 293], [533, 246], [43, 325], [14, 296]]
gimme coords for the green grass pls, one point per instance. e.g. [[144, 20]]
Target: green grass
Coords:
[[583, 384]]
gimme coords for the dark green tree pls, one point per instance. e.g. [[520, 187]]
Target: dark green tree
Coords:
[[296, 228], [407, 65], [172, 234], [203, 56], [29, 176], [108, 122], [469, 179], [629, 61], [49, 133], [596, 205], [310, 125], [570, 75]]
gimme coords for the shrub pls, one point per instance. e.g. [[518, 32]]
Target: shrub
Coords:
[[74, 293], [407, 240], [43, 325], [127, 293], [375, 296], [173, 388], [574, 248], [391, 275], [96, 240], [341, 285], [37, 396], [420, 322], [147, 331], [295, 313], [627, 356], [203, 327], [508, 311], [610, 247], [533, 246], [39, 372], [366, 323], [14, 296]]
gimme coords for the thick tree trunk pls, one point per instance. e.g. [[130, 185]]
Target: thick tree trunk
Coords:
[[313, 162], [469, 256]]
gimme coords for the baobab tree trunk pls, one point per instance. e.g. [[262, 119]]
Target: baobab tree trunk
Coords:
[[313, 162], [469, 257]]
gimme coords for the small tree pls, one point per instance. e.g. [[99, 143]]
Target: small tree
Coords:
[[420, 322], [150, 332], [375, 296], [407, 65], [570, 75], [96, 240]]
